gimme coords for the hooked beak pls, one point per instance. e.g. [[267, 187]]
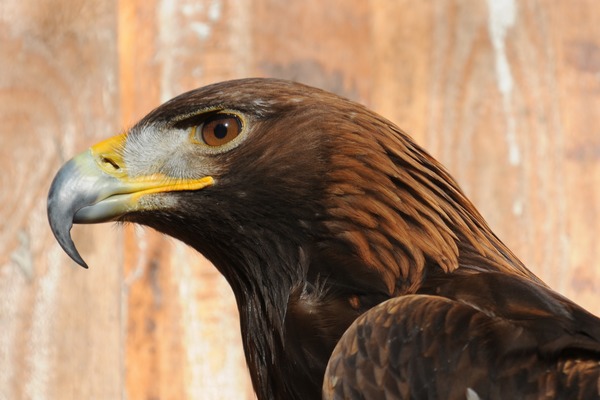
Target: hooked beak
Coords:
[[94, 187]]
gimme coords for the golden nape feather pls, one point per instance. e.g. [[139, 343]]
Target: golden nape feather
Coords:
[[360, 269]]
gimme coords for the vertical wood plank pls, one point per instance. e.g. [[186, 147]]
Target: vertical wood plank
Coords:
[[575, 41], [182, 337], [58, 91], [402, 62], [154, 350]]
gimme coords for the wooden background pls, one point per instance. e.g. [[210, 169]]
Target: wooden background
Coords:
[[505, 93]]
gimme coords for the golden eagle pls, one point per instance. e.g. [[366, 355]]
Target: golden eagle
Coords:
[[360, 269]]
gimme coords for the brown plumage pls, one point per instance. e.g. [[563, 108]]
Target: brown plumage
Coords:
[[329, 222]]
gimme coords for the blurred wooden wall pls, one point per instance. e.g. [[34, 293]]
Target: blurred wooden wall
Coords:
[[505, 93]]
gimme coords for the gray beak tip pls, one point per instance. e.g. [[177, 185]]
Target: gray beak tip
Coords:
[[61, 228], [63, 203]]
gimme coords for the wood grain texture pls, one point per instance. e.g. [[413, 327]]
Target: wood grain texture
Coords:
[[182, 335], [60, 324], [505, 93]]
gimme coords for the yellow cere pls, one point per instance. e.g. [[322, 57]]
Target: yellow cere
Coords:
[[108, 154]]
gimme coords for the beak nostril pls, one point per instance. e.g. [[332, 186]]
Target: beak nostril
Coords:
[[111, 162]]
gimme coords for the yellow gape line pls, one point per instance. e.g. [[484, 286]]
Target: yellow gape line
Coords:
[[167, 185]]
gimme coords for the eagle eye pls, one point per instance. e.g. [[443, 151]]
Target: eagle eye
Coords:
[[219, 130]]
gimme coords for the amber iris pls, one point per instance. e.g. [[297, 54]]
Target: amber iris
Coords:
[[220, 130]]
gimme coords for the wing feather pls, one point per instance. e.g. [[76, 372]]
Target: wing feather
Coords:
[[448, 346]]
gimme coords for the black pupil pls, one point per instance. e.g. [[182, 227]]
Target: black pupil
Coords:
[[221, 130]]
